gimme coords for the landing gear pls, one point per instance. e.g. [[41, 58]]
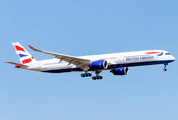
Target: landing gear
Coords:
[[165, 69], [86, 74], [97, 77]]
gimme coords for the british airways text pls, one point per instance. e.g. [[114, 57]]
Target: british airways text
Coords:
[[139, 58]]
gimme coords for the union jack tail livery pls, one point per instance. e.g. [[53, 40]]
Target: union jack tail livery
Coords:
[[23, 54]]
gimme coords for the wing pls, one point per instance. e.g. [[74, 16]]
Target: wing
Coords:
[[16, 64], [79, 62]]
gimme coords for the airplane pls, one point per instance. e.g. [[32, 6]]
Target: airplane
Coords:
[[117, 63]]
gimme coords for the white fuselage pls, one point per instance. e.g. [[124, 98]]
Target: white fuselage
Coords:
[[115, 60]]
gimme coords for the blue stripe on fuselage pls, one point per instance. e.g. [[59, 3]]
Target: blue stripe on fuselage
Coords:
[[111, 66]]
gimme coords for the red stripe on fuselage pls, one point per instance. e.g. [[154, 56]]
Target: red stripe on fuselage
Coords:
[[18, 48], [153, 52]]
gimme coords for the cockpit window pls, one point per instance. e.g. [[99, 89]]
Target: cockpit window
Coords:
[[167, 53]]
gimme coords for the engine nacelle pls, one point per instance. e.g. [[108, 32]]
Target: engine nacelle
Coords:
[[99, 65], [120, 71]]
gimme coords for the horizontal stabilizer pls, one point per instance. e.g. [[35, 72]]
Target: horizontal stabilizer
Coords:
[[16, 64]]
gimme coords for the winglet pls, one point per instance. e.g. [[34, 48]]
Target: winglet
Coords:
[[30, 46], [35, 49]]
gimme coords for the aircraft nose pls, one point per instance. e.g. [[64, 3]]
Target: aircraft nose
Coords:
[[173, 58]]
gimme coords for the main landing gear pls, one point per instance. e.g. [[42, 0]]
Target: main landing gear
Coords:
[[165, 69], [97, 77], [86, 74]]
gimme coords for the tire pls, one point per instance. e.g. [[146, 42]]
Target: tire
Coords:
[[89, 74], [100, 77], [86, 74], [94, 78], [97, 77], [82, 75]]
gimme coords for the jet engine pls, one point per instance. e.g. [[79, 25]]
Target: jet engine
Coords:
[[99, 65], [120, 71]]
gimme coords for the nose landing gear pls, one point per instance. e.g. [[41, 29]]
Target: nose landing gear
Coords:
[[165, 69]]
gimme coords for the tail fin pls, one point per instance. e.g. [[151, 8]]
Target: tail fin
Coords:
[[23, 54]]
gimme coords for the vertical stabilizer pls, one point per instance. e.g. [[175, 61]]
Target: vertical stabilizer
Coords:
[[24, 56]]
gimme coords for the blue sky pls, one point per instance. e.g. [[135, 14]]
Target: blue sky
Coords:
[[85, 28]]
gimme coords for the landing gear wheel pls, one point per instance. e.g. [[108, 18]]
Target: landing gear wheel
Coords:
[[165, 69], [82, 75], [89, 74], [97, 77], [86, 74], [100, 77], [94, 78]]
